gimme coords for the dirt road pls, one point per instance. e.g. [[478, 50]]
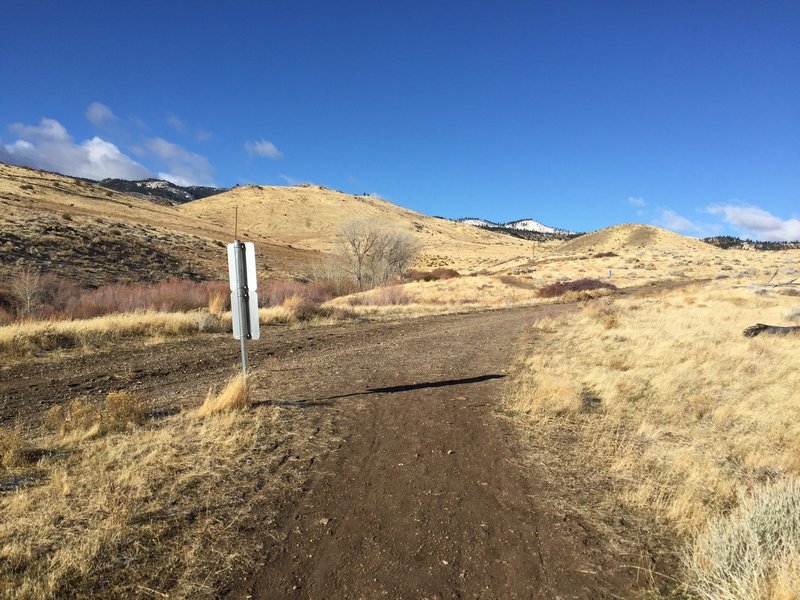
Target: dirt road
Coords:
[[423, 492]]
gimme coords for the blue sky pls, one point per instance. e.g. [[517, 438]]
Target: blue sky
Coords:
[[684, 114]]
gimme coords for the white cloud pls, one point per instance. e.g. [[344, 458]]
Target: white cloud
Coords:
[[669, 219], [99, 114], [47, 130], [175, 123], [203, 135], [636, 201], [263, 148], [49, 146], [185, 167], [757, 223]]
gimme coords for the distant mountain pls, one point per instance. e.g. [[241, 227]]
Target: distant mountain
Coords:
[[726, 242], [160, 190], [523, 228]]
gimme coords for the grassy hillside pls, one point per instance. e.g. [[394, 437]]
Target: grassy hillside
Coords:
[[308, 217], [96, 236], [80, 230]]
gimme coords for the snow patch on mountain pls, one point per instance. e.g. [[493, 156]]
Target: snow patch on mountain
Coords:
[[161, 190], [519, 225]]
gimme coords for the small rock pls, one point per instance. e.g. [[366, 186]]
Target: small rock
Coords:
[[324, 521]]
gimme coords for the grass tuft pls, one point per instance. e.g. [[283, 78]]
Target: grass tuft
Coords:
[[233, 396], [13, 448]]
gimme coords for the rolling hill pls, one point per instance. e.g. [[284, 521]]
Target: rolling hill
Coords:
[[308, 218], [81, 230], [78, 229]]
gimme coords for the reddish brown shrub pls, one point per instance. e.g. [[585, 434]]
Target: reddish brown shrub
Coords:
[[445, 273], [173, 295], [436, 274], [560, 288], [275, 293]]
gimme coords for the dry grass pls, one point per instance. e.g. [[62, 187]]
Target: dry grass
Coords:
[[455, 295], [82, 419], [13, 447], [634, 255], [32, 338], [670, 398], [233, 396], [151, 510], [753, 552]]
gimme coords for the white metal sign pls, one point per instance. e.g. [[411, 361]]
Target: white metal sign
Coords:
[[250, 266], [244, 299], [252, 316]]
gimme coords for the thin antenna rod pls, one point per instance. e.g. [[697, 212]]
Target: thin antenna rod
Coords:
[[236, 223]]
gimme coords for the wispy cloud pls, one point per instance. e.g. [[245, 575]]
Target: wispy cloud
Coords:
[[48, 130], [49, 146], [174, 122], [99, 114], [263, 148], [203, 135], [185, 167], [637, 201], [669, 219], [292, 181], [757, 223]]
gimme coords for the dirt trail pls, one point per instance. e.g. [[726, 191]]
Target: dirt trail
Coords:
[[422, 491], [426, 499]]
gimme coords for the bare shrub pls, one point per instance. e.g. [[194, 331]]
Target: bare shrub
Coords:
[[173, 295], [604, 311], [373, 255], [752, 553], [437, 274], [560, 288], [26, 288], [441, 273], [276, 293]]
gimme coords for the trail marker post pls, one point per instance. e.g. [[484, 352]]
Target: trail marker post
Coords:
[[244, 298]]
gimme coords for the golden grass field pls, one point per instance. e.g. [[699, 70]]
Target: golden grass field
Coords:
[[135, 504], [694, 421]]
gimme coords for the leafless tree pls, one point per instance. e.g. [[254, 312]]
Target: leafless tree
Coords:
[[372, 254], [27, 288]]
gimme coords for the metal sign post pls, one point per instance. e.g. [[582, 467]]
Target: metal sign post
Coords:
[[244, 298]]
